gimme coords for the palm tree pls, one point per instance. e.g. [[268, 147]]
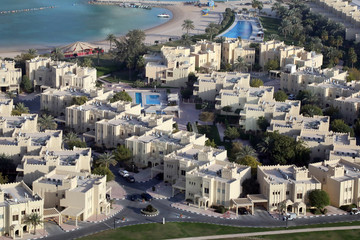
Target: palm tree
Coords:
[[265, 145], [106, 160], [32, 51], [274, 36], [71, 136], [188, 25], [286, 27], [111, 38], [10, 95], [47, 122], [98, 50], [240, 65], [57, 54], [212, 30], [246, 151], [20, 109], [310, 98], [33, 219]]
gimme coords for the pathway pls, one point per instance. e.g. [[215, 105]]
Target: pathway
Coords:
[[253, 234]]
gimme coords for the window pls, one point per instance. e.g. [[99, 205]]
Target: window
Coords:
[[183, 172], [1, 216], [287, 192], [299, 196], [22, 212], [15, 217], [223, 191], [206, 190], [218, 190]]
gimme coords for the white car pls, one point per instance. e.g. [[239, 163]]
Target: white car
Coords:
[[354, 211], [123, 173]]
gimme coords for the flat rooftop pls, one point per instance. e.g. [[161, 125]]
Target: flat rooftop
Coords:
[[16, 121], [73, 92], [284, 175], [15, 193]]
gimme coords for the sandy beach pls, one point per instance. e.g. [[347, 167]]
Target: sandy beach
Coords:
[[162, 33]]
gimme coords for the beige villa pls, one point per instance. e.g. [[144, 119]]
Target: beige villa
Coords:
[[17, 201], [34, 167], [209, 85], [55, 101], [83, 118], [151, 148], [207, 55], [270, 110], [171, 67], [11, 125], [348, 107], [288, 185], [340, 178], [10, 77], [205, 175], [113, 132], [45, 73], [75, 195], [6, 106], [232, 49]]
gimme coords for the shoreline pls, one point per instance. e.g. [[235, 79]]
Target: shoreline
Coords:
[[162, 32]]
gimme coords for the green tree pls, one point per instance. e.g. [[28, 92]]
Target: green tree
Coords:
[[232, 133], [333, 113], [338, 125], [319, 198], [210, 143], [353, 74], [33, 52], [207, 117], [352, 57], [121, 96], [86, 62], [227, 109], [3, 179], [249, 161], [211, 30], [111, 38], [307, 97], [70, 136], [26, 84], [256, 82], [76, 143], [106, 159], [339, 41], [280, 96], [241, 65], [188, 25], [104, 171], [189, 127], [57, 54], [47, 122], [263, 123], [309, 110], [186, 40], [33, 219], [286, 27], [79, 100], [272, 64], [246, 151], [122, 154], [20, 109]]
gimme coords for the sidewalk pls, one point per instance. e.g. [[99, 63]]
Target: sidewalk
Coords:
[[117, 191], [201, 211], [40, 233], [254, 234], [102, 217]]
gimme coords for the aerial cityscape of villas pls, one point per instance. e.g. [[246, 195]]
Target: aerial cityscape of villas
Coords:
[[62, 181]]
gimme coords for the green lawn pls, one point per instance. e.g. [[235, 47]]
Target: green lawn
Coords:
[[121, 76], [330, 235], [211, 132], [271, 26], [180, 230]]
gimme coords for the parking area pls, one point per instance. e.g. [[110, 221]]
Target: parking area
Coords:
[[160, 191]]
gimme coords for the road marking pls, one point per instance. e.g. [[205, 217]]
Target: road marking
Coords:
[[107, 225]]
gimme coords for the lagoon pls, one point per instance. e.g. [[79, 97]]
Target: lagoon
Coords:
[[69, 21]]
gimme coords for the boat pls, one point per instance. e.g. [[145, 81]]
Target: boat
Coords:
[[163, 15]]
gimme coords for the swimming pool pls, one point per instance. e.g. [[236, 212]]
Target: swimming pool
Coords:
[[153, 99], [242, 29], [138, 98]]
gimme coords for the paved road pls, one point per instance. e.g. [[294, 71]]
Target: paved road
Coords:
[[253, 234], [133, 216]]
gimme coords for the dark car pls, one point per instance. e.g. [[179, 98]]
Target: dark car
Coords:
[[136, 197], [147, 197], [130, 179], [243, 211]]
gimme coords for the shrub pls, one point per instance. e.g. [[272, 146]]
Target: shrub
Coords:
[[315, 211], [347, 208], [198, 106], [220, 209], [149, 208]]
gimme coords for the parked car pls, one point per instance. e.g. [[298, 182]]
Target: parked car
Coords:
[[354, 211], [291, 97], [130, 179], [290, 216], [136, 198], [147, 197], [123, 173], [243, 211]]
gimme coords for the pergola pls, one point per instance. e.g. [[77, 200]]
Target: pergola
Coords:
[[78, 49], [73, 212], [52, 212], [249, 202]]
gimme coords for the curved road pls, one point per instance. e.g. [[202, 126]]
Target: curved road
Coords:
[[133, 216]]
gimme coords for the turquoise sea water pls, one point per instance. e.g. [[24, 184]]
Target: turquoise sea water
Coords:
[[70, 21]]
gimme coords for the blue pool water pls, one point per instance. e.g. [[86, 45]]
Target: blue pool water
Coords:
[[138, 98], [153, 99], [242, 29]]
